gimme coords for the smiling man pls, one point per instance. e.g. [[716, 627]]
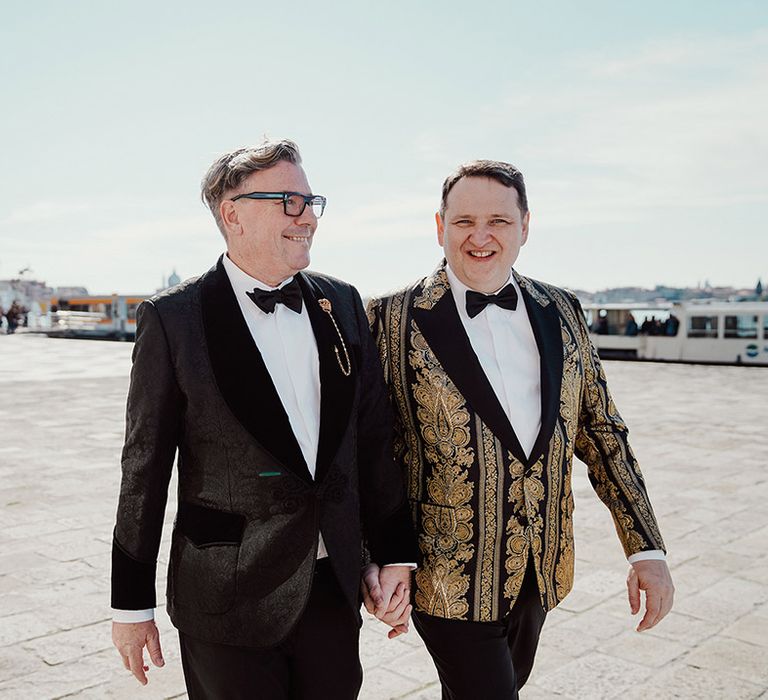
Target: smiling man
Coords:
[[266, 382], [496, 386]]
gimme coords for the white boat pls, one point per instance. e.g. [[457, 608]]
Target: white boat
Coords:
[[709, 331], [87, 316]]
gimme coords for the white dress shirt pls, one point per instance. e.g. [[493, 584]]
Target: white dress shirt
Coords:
[[288, 347], [505, 345]]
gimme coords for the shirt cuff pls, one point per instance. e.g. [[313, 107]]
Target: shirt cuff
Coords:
[[411, 564], [656, 554], [133, 615]]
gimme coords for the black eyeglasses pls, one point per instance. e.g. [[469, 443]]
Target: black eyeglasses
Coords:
[[294, 203]]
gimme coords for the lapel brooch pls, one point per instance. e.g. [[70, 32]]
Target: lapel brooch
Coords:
[[346, 366]]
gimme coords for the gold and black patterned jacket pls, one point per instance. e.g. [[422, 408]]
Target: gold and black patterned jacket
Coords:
[[480, 506]]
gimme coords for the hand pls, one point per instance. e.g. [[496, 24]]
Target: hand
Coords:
[[370, 588], [386, 594], [398, 613], [653, 577], [130, 638]]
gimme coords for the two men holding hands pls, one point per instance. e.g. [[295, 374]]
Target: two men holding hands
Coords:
[[268, 383]]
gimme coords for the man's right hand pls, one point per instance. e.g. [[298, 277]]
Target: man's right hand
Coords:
[[130, 638], [388, 600]]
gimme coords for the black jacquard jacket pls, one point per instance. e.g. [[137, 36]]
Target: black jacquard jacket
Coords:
[[245, 537]]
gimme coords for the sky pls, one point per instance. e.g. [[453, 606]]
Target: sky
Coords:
[[640, 129]]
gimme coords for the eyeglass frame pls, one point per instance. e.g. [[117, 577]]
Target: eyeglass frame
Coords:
[[310, 199]]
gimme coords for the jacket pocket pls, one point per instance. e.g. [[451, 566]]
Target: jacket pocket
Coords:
[[205, 527], [204, 556]]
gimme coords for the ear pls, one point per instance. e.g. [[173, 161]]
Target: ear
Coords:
[[526, 221], [228, 214], [440, 228]]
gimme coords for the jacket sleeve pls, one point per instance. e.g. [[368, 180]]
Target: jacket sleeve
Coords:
[[153, 419], [602, 444], [386, 519]]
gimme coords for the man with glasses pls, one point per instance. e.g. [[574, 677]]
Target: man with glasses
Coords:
[[496, 386], [266, 381]]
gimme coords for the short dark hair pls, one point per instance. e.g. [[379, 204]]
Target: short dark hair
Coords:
[[505, 173]]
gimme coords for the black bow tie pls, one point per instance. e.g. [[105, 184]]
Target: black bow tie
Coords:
[[290, 295], [506, 298]]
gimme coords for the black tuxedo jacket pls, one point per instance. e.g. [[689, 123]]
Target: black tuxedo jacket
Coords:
[[482, 508], [245, 537]]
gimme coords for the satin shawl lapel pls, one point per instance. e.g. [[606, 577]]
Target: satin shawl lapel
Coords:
[[336, 390], [445, 334], [242, 376], [545, 323]]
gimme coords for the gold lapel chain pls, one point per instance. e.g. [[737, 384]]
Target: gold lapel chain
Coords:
[[325, 305]]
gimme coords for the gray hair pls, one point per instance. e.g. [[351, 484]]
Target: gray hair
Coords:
[[229, 170]]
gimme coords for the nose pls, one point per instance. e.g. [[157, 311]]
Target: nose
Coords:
[[480, 235], [307, 218]]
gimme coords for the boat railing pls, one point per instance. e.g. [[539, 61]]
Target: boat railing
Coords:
[[77, 320]]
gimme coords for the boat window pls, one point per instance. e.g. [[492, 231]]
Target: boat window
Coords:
[[131, 311], [765, 326], [741, 326], [702, 326], [101, 308]]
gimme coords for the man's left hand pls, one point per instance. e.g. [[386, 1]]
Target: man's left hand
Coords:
[[386, 593], [653, 577]]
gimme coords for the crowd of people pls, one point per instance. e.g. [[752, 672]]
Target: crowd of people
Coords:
[[649, 326], [15, 316], [654, 326]]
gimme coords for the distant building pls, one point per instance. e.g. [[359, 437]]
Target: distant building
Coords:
[[173, 280], [669, 294], [63, 292], [29, 293]]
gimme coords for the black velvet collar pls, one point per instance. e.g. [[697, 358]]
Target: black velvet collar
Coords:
[[336, 389], [241, 374], [247, 388], [545, 322], [445, 334]]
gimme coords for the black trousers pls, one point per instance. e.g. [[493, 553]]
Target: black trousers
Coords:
[[319, 659], [486, 660]]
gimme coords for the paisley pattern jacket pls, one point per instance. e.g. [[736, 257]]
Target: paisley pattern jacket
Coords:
[[481, 507]]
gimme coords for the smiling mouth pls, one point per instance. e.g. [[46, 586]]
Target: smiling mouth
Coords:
[[298, 238], [480, 254]]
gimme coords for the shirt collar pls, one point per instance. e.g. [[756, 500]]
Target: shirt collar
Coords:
[[459, 290], [242, 282]]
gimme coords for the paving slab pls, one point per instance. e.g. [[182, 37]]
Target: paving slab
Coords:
[[698, 432]]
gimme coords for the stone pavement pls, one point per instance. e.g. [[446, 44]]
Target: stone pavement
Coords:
[[699, 432]]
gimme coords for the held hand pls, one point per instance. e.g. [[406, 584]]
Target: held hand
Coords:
[[386, 594], [370, 588], [130, 638], [653, 577], [399, 612], [393, 579], [395, 582]]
